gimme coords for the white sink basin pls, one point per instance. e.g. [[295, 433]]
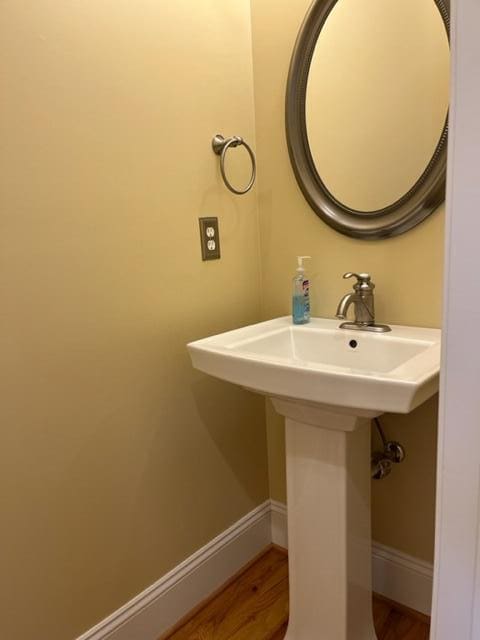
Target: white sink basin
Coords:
[[327, 382], [319, 363]]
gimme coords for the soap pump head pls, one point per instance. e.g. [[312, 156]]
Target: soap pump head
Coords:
[[300, 259]]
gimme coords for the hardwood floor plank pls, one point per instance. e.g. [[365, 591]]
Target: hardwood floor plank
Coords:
[[255, 607], [410, 613], [381, 614], [401, 627], [280, 634]]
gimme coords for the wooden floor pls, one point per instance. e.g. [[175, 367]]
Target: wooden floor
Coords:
[[255, 607]]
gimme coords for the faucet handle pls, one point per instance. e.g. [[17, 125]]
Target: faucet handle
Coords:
[[361, 277], [364, 281]]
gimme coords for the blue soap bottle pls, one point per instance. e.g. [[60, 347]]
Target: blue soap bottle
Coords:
[[301, 294]]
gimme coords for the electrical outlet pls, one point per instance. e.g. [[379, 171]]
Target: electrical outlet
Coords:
[[209, 238]]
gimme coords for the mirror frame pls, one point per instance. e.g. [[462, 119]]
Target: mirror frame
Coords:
[[426, 195]]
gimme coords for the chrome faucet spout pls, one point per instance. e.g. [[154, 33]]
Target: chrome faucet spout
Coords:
[[362, 299], [344, 305]]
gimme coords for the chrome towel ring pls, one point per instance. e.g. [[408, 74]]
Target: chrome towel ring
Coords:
[[220, 146]]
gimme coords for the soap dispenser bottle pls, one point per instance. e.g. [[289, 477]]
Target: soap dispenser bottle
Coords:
[[301, 294]]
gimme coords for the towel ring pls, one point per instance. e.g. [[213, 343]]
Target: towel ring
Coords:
[[220, 146]]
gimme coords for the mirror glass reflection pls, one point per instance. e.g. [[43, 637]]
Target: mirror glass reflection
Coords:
[[377, 98]]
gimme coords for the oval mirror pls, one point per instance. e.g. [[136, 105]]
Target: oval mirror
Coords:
[[366, 112]]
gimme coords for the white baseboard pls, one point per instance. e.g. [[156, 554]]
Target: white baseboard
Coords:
[[279, 524], [396, 576], [160, 606], [402, 578]]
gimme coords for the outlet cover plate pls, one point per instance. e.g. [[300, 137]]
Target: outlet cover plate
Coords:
[[209, 238]]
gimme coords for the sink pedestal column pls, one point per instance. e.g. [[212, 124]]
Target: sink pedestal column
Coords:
[[329, 530]]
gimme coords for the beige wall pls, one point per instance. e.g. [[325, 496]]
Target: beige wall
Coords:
[[406, 269], [117, 459]]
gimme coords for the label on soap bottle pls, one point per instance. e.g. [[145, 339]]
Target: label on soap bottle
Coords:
[[306, 294]]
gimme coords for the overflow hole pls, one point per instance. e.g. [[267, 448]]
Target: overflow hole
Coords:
[[353, 344]]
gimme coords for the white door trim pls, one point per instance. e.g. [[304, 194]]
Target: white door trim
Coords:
[[456, 605]]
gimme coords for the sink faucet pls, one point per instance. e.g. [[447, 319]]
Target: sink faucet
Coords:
[[364, 305]]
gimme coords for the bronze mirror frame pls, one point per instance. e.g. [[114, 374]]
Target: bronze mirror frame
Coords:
[[426, 195]]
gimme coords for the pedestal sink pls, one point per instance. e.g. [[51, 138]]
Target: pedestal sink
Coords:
[[328, 383]]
